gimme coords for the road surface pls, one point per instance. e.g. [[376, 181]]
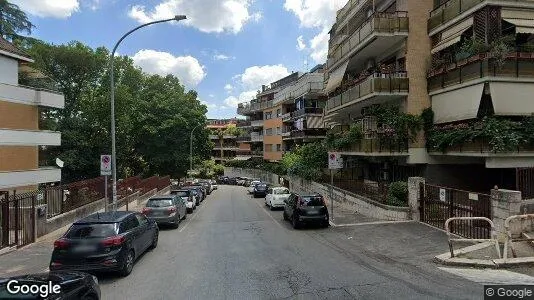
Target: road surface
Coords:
[[233, 247]]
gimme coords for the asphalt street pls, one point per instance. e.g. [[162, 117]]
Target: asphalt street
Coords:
[[233, 247]]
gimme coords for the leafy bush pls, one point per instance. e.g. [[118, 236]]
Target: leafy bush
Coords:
[[343, 140], [398, 194]]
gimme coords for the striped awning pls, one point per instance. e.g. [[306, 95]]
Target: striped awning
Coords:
[[452, 35], [336, 77]]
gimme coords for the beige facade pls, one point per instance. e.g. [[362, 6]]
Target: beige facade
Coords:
[[20, 136]]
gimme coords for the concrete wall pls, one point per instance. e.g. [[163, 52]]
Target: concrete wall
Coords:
[[348, 200], [10, 70]]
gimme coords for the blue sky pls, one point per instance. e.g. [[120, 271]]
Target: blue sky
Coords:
[[225, 50]]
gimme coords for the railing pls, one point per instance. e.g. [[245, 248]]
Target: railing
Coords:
[[286, 117], [379, 145], [344, 12], [448, 11], [377, 23], [243, 138], [243, 123], [257, 123], [517, 65], [481, 145], [256, 137], [214, 137], [244, 108], [395, 83], [307, 110], [377, 191], [308, 133]]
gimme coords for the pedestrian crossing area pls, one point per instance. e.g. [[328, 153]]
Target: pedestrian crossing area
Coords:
[[491, 276]]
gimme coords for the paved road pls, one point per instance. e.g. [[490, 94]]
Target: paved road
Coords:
[[235, 248]]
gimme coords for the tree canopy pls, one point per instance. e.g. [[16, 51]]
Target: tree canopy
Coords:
[[13, 20], [154, 114]]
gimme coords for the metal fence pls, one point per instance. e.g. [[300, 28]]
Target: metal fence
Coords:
[[525, 182], [437, 204], [377, 191], [17, 218]]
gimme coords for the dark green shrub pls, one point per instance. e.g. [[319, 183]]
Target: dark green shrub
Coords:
[[398, 194]]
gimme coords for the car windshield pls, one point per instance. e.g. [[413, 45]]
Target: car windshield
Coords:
[[280, 191], [81, 231], [159, 202], [312, 200], [180, 193]]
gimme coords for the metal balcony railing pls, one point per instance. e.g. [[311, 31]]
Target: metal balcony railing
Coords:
[[379, 145], [243, 138], [377, 23], [307, 111], [517, 65], [376, 83]]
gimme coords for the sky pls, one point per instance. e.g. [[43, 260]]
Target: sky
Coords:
[[225, 50]]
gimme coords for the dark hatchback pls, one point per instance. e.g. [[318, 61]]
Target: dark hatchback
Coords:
[[109, 241], [302, 209], [260, 190], [73, 286], [201, 189]]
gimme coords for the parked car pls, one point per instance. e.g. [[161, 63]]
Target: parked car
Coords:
[[252, 185], [276, 196], [214, 184], [207, 186], [223, 179], [300, 209], [73, 285], [247, 182], [241, 180], [189, 198], [196, 195], [108, 241], [202, 191], [166, 210], [260, 190]]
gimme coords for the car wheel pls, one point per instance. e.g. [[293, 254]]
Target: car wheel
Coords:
[[127, 264], [155, 240], [325, 224], [285, 216], [185, 216], [295, 222], [271, 206]]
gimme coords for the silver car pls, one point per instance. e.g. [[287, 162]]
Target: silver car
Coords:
[[169, 209]]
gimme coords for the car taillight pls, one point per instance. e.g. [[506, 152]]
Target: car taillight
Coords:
[[171, 210], [146, 210], [113, 241], [61, 244]]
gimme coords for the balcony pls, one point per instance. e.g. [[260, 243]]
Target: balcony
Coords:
[[286, 117], [380, 32], [257, 123], [29, 177], [248, 108], [381, 146], [306, 134], [30, 96], [214, 137], [311, 83], [15, 137], [229, 137], [255, 137], [518, 65], [243, 138], [377, 85], [226, 147], [307, 111], [242, 123], [351, 5]]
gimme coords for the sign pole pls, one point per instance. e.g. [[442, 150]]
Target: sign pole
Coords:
[[332, 193], [106, 193]]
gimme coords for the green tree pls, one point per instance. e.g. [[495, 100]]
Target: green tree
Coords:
[[13, 20]]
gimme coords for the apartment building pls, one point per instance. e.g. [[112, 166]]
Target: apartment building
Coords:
[[20, 137], [448, 55], [224, 139]]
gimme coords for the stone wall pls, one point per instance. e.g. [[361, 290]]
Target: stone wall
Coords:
[[346, 199]]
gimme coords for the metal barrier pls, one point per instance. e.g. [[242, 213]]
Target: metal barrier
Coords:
[[510, 239], [493, 237]]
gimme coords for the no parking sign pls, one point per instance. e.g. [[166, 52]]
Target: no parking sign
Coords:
[[105, 165]]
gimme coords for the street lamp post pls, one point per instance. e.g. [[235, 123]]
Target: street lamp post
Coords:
[[191, 149], [113, 142]]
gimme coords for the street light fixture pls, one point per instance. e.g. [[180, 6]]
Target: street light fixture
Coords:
[[113, 142], [191, 149]]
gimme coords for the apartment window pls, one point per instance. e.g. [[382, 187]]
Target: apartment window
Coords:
[[268, 115], [273, 147], [278, 148], [269, 131], [278, 112]]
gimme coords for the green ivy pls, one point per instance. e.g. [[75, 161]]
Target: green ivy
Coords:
[[343, 140], [397, 194], [405, 126]]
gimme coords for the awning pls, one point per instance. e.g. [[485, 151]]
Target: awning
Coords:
[[457, 105], [336, 77], [522, 25], [512, 99], [452, 35]]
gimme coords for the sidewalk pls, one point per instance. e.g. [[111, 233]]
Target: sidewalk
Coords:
[[35, 257], [345, 216]]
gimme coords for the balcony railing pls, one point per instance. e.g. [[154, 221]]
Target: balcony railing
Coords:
[[344, 12], [246, 108], [256, 138], [286, 117], [377, 83], [243, 138], [379, 145], [32, 96], [214, 137], [308, 133], [517, 65], [243, 123], [307, 111], [377, 23], [257, 123], [482, 146]]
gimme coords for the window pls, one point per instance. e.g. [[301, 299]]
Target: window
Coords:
[[268, 115], [278, 131], [142, 219], [82, 231], [269, 131], [278, 112], [128, 224], [273, 147], [159, 202], [278, 148]]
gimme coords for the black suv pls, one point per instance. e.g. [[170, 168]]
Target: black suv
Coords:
[[260, 190], [301, 209], [109, 241]]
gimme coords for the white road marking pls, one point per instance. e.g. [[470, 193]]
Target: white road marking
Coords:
[[491, 276]]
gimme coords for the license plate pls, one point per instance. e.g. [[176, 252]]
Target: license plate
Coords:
[[313, 212], [85, 248]]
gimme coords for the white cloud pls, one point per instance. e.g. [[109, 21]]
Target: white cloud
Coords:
[[209, 105], [319, 14], [219, 56], [49, 8], [231, 101], [228, 88], [211, 96], [256, 76], [205, 15], [301, 45], [247, 96], [186, 68]]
